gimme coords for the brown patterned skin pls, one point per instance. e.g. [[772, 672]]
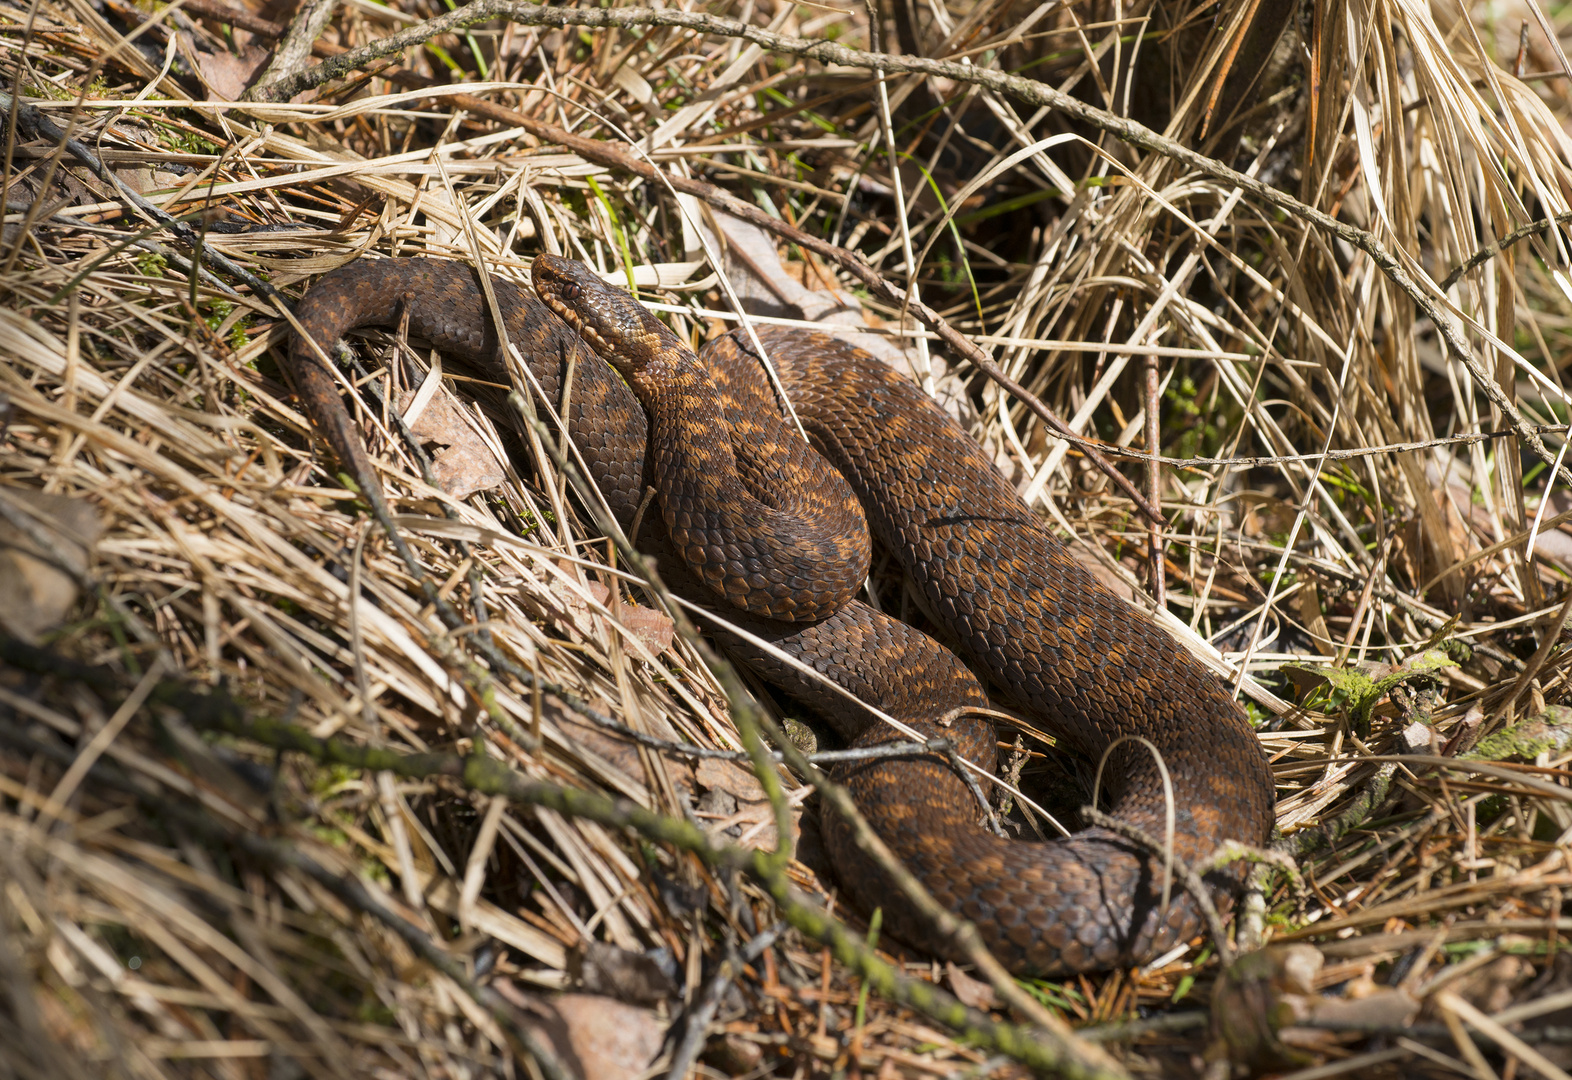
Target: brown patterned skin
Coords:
[[794, 544], [1048, 636]]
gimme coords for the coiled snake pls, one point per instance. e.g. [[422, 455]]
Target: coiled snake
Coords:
[[764, 523]]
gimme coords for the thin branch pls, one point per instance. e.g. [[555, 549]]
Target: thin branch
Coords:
[[696, 1021], [282, 853], [607, 154], [822, 757], [30, 120], [952, 928], [1053, 1051], [1490, 251], [296, 44], [33, 121]]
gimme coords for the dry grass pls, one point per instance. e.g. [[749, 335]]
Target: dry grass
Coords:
[[140, 936]]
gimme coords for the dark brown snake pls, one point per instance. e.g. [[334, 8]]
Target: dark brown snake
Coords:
[[1052, 641]]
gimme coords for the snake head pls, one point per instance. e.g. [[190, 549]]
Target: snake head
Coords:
[[609, 319]]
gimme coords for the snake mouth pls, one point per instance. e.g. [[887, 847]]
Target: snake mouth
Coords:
[[576, 295], [571, 315]]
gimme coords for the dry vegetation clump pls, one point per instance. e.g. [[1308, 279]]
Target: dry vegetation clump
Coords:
[[273, 806]]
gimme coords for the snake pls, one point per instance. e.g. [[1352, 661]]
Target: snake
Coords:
[[772, 532]]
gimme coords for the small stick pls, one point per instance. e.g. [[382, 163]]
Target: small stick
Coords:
[[1154, 484]]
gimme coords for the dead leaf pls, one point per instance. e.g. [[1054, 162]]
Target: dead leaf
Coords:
[[466, 465], [1417, 738], [654, 628], [225, 74], [754, 819], [593, 1037], [970, 991], [730, 777], [461, 471]]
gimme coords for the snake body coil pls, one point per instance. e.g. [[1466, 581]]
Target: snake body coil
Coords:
[[1049, 637]]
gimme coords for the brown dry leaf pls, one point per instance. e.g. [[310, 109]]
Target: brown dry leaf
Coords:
[[733, 797], [45, 545], [226, 74], [969, 991], [730, 777], [466, 465], [654, 628], [1417, 738], [595, 1037], [463, 470]]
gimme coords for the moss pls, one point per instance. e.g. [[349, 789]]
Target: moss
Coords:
[[1551, 730]]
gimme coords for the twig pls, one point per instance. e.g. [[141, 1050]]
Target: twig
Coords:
[[952, 928], [33, 122], [1490, 251], [1200, 464], [1438, 1032], [311, 18], [283, 854], [30, 119], [1131, 1030], [822, 757], [1372, 795], [607, 154], [417, 452], [697, 1019], [245, 20], [1552, 628]]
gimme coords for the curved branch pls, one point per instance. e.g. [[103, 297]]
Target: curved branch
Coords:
[[1023, 89]]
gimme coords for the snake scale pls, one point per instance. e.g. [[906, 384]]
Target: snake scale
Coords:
[[762, 521]]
